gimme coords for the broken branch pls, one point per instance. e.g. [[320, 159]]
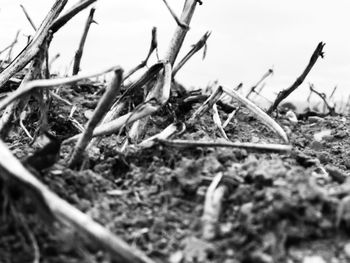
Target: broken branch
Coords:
[[79, 53], [285, 93]]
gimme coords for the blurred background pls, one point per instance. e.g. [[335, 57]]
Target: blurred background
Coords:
[[248, 37]]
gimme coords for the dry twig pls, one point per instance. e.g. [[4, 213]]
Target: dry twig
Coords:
[[243, 145], [260, 114], [171, 130], [331, 109], [153, 46], [33, 47], [63, 19], [217, 121], [285, 93], [103, 106], [79, 52], [208, 104], [252, 89], [28, 17], [195, 48], [154, 101]]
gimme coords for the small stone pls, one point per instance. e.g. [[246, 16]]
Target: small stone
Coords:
[[314, 119], [176, 257], [347, 163], [336, 174], [320, 135], [290, 115], [316, 145], [347, 250], [261, 257], [313, 259]]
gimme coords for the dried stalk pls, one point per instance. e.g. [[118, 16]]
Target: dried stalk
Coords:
[[28, 17], [212, 207], [208, 104], [63, 19], [161, 92], [12, 43], [285, 93], [217, 121], [195, 48], [243, 145], [261, 115], [230, 117], [153, 46], [252, 89], [11, 46], [33, 47], [154, 101], [34, 72], [178, 21], [47, 83], [172, 129], [180, 32], [13, 171], [103, 106], [79, 52], [331, 109]]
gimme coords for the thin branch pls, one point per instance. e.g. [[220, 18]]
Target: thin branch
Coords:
[[333, 92], [79, 53], [103, 106], [28, 17], [285, 93], [33, 48], [195, 48], [240, 145]]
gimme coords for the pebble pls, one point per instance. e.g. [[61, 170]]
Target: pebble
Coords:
[[347, 250], [313, 259], [336, 174], [320, 135], [316, 145]]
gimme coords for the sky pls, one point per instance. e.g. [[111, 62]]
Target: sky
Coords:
[[248, 37]]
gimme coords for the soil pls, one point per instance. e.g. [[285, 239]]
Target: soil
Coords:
[[280, 207]]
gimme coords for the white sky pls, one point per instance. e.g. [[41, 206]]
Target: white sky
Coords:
[[248, 37]]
